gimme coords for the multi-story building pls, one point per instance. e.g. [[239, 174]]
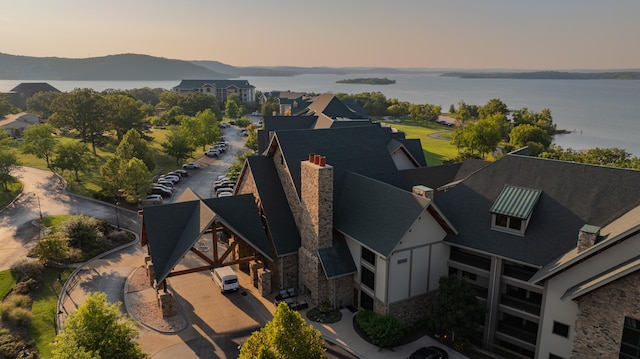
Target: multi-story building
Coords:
[[221, 89], [347, 214]]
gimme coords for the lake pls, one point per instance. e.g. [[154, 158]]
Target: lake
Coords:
[[602, 113]]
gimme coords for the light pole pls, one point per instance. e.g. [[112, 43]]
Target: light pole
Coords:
[[117, 218]]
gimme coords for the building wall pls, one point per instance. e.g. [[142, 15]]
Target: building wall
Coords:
[[568, 311], [601, 314]]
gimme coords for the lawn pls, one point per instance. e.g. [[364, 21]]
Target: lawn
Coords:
[[436, 151], [14, 187], [7, 281], [43, 330]]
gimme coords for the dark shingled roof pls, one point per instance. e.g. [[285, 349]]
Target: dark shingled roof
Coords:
[[437, 176], [573, 195], [329, 105], [33, 87], [337, 260], [172, 229], [414, 146], [361, 204], [282, 123], [359, 149], [277, 212]]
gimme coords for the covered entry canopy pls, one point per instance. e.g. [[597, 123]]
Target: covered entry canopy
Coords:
[[171, 230]]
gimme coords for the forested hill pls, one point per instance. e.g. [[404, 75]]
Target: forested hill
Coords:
[[126, 67], [548, 75]]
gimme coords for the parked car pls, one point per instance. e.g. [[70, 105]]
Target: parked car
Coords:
[[166, 183], [224, 185], [191, 166], [171, 178], [225, 194], [224, 190], [152, 199], [160, 191], [221, 180], [181, 172], [169, 189], [212, 153], [431, 352]]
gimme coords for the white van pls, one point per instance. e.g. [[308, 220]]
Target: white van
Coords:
[[225, 278]]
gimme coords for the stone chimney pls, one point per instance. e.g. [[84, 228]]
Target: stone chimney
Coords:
[[316, 192], [316, 229], [587, 237], [423, 191]]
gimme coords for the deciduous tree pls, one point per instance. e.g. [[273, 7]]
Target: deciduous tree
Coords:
[[97, 330], [8, 159], [177, 144], [286, 336], [39, 141], [73, 156], [82, 110], [133, 145], [271, 107], [457, 310], [123, 114]]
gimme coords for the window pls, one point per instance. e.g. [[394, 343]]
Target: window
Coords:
[[367, 278], [501, 220], [515, 223], [630, 346], [561, 329], [366, 302], [553, 356], [368, 256]]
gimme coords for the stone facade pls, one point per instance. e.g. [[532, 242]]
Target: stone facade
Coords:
[[601, 314], [167, 304], [317, 205], [288, 271], [414, 309], [341, 290], [264, 282]]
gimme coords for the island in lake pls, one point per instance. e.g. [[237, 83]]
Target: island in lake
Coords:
[[368, 81]]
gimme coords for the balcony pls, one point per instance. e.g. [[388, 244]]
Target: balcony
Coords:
[[520, 304]]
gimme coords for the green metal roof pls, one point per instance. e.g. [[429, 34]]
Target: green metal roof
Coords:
[[516, 202]]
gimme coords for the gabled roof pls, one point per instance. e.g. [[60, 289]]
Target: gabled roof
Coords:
[[621, 228], [19, 120], [278, 216], [282, 123], [395, 145], [573, 194], [196, 84], [438, 176], [172, 229], [337, 260], [358, 149], [329, 105], [363, 202], [602, 279]]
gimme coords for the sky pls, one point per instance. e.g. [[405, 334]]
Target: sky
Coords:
[[443, 34]]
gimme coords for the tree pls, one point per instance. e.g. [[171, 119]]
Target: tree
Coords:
[[40, 103], [252, 138], [177, 144], [494, 106], [231, 109], [52, 247], [5, 105], [271, 107], [72, 156], [521, 135], [197, 102], [209, 124], [457, 310], [133, 145], [81, 231], [39, 141], [123, 114], [97, 330], [8, 160], [286, 336], [111, 176], [82, 110], [135, 178]]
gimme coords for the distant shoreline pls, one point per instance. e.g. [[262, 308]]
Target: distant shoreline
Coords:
[[368, 81], [547, 75]]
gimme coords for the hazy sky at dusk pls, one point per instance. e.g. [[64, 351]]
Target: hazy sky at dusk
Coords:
[[516, 34]]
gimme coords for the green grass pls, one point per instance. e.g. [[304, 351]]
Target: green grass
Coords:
[[43, 330], [13, 189], [436, 151], [7, 281], [54, 222]]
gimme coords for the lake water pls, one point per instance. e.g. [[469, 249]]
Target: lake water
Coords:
[[603, 113]]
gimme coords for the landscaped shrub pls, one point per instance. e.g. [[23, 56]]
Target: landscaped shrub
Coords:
[[18, 301], [12, 346], [82, 231], [27, 286], [4, 311], [384, 330], [20, 316], [27, 269]]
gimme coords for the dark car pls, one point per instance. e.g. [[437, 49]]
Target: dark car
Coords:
[[429, 353], [160, 191]]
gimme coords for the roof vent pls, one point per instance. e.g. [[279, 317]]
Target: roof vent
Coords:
[[423, 191]]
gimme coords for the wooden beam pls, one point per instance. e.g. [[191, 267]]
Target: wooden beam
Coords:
[[201, 255], [187, 271], [227, 252]]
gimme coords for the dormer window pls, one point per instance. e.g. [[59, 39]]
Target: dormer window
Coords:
[[513, 208]]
